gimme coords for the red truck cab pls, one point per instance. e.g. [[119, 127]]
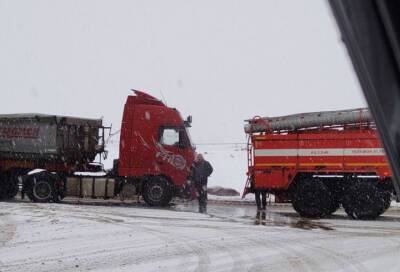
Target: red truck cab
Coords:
[[156, 152]]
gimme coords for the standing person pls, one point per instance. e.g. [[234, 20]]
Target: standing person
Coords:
[[202, 169], [263, 194]]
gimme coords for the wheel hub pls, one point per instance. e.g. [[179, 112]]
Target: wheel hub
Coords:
[[156, 192], [42, 190]]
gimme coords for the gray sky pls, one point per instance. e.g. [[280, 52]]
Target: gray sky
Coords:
[[221, 61]]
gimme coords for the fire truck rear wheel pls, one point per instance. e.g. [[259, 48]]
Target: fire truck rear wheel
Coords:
[[363, 200], [386, 200], [157, 191], [334, 186], [312, 198]]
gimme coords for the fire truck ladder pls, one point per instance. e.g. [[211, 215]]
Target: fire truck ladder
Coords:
[[249, 149]]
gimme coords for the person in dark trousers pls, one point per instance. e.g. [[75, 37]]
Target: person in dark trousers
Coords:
[[263, 194], [201, 170]]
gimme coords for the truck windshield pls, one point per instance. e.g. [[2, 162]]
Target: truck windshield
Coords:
[[176, 136]]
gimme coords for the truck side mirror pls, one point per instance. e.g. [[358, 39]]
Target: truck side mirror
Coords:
[[188, 121]]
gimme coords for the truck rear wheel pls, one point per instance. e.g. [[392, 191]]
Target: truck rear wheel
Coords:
[[157, 192], [12, 191], [363, 200], [9, 185], [42, 191], [42, 188], [3, 186], [311, 198]]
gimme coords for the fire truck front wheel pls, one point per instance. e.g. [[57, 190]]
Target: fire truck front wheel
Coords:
[[157, 191], [364, 200], [311, 198]]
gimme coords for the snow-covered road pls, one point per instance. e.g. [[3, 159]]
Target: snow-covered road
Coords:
[[62, 237]]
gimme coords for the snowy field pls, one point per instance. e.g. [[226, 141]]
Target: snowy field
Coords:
[[131, 237]]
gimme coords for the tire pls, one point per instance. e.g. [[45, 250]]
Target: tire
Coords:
[[335, 187], [312, 198], [12, 191], [386, 200], [42, 188], [9, 185], [363, 200], [42, 191], [157, 192], [335, 205], [386, 189], [3, 187]]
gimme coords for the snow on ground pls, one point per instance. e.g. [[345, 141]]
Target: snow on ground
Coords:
[[249, 198], [132, 237]]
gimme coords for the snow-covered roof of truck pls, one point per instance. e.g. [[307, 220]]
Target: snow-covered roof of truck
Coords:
[[48, 118]]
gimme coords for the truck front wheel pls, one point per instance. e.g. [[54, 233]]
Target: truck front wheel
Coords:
[[157, 191]]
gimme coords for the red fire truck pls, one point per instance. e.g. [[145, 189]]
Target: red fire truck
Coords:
[[156, 154], [319, 161]]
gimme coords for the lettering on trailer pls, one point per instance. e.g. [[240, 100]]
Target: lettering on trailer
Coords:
[[19, 132], [308, 152]]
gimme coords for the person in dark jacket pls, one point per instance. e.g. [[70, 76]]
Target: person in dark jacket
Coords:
[[201, 170]]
